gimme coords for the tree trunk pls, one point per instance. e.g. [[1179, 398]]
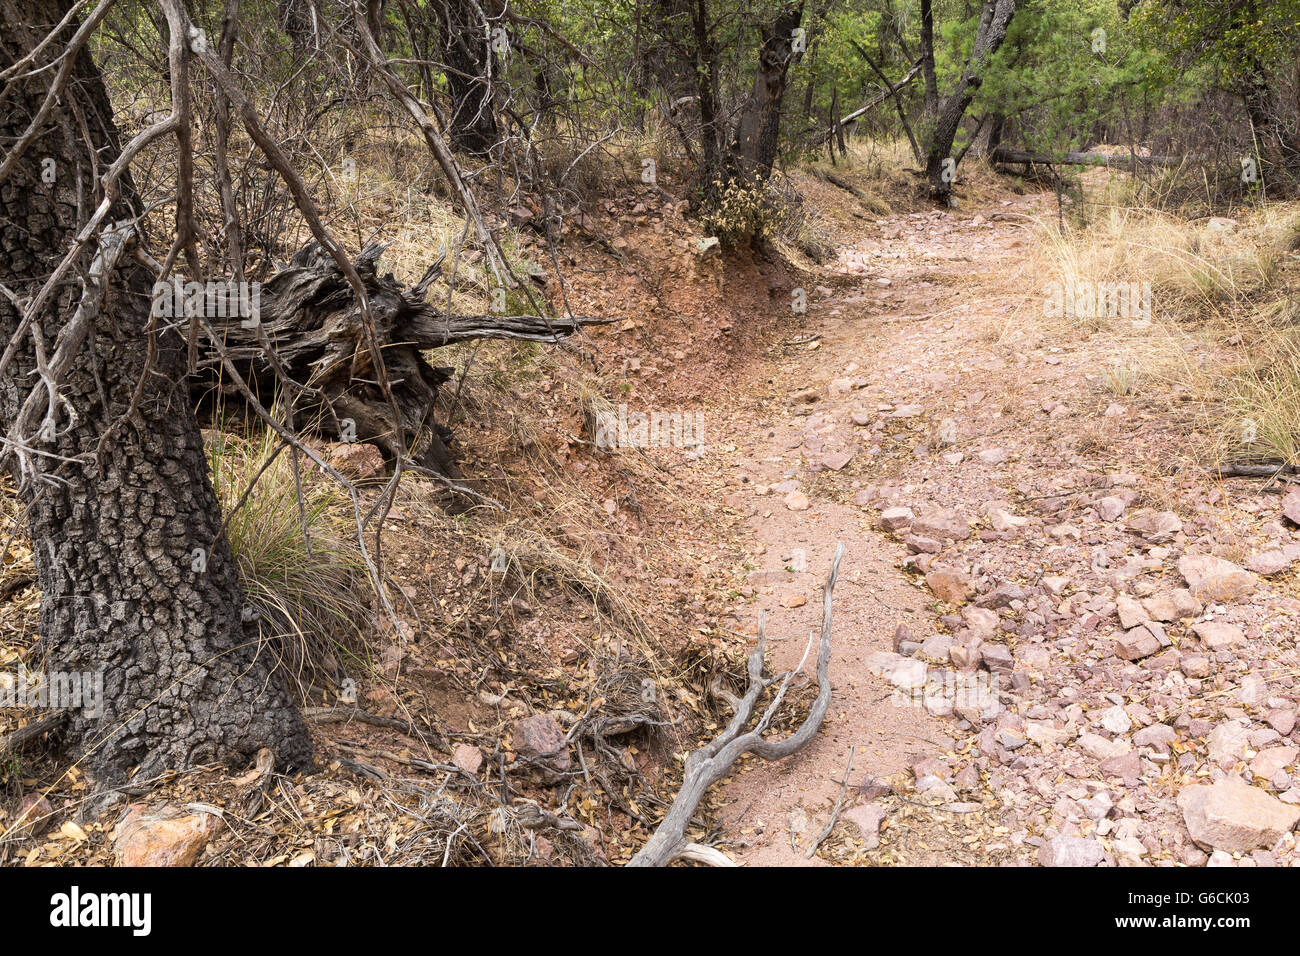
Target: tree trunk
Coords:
[[992, 31], [705, 55], [468, 67], [927, 60], [135, 581], [989, 138], [754, 145], [299, 22]]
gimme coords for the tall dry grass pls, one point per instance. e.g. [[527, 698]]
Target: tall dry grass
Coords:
[[298, 569], [1224, 322]]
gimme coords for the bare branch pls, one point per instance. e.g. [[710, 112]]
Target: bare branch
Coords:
[[714, 760]]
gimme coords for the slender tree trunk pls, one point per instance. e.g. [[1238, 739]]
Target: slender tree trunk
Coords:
[[705, 55], [467, 59], [989, 136], [927, 60], [221, 132], [754, 145], [136, 582], [940, 165], [299, 23]]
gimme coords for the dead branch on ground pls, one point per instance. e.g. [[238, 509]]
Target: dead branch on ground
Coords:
[[713, 761]]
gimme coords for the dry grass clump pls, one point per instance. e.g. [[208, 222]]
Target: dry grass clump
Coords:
[[298, 568], [1223, 323]]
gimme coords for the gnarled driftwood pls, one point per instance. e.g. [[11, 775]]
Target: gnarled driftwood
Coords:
[[711, 762], [309, 346]]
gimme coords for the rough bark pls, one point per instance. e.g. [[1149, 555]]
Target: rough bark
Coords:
[[754, 143], [927, 59], [993, 24], [119, 500], [467, 66], [705, 55]]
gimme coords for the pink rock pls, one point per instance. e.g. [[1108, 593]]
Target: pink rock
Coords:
[[1214, 579], [981, 620], [835, 460], [540, 736], [33, 817], [1064, 850], [467, 757], [1136, 644], [1131, 613], [867, 818], [892, 519], [797, 501], [951, 586], [1111, 507], [1272, 759], [1283, 721], [1156, 527], [1171, 605], [942, 523], [1291, 506], [921, 545], [165, 836], [1275, 560], [1216, 634], [1235, 817]]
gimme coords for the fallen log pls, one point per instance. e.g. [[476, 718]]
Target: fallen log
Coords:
[[1004, 155], [861, 111], [306, 349], [24, 736]]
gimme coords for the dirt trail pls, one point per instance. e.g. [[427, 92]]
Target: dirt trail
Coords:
[[1040, 553], [865, 361]]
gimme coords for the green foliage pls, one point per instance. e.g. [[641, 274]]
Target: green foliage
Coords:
[[1235, 41], [1066, 70]]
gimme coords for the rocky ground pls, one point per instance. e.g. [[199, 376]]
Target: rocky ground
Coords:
[[1057, 640], [1052, 646]]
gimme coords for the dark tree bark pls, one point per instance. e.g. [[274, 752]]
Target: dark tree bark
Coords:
[[116, 518], [927, 60], [467, 61], [705, 56], [994, 21], [754, 144], [298, 22]]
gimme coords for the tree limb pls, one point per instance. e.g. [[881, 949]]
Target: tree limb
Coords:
[[714, 760]]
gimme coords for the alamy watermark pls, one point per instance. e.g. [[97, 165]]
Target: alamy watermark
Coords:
[[1097, 300], [957, 690], [621, 428], [53, 690], [212, 300]]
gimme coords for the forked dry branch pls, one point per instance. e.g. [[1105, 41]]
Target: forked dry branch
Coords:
[[712, 762]]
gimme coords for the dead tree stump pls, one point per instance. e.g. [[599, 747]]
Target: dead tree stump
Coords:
[[308, 352]]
